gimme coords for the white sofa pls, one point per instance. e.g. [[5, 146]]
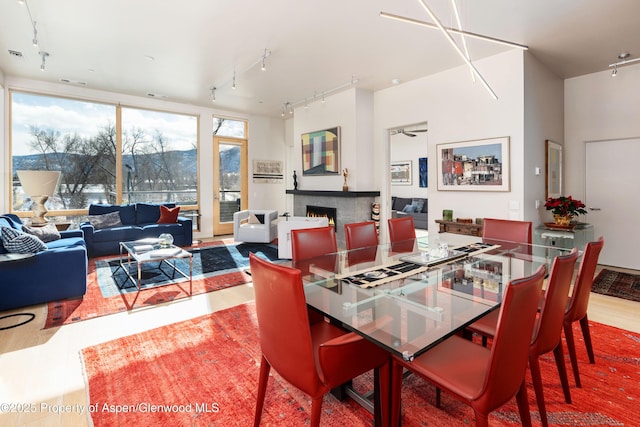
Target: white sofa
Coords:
[[255, 226], [295, 223]]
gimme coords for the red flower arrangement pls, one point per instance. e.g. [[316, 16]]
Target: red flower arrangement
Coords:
[[565, 206]]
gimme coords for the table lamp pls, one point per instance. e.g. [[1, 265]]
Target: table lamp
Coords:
[[39, 185]]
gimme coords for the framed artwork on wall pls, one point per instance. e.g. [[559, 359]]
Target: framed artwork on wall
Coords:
[[321, 152], [267, 171], [401, 172], [553, 177], [478, 165], [423, 172]]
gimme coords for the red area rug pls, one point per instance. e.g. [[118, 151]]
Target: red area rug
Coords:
[[204, 372], [95, 304], [617, 284]]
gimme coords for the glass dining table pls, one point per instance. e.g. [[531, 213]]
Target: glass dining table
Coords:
[[408, 296]]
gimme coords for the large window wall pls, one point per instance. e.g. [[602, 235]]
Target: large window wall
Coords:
[[106, 153]]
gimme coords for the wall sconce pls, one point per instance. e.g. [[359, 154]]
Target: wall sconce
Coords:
[[39, 185]]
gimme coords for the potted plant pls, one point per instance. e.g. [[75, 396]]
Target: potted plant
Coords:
[[565, 208]]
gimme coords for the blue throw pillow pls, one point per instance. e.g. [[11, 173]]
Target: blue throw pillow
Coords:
[[418, 204], [21, 243], [409, 208]]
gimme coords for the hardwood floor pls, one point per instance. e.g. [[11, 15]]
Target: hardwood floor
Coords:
[[42, 371]]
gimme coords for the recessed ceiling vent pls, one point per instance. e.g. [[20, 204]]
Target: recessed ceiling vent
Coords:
[[15, 53], [73, 82]]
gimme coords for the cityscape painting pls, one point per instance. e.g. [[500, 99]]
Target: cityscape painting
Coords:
[[480, 165]]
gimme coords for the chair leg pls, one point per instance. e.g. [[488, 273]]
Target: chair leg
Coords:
[[438, 397], [562, 371], [536, 378], [383, 400], [571, 346], [523, 405], [584, 325], [482, 420], [316, 411], [396, 393], [262, 390]]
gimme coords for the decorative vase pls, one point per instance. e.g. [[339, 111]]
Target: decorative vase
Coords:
[[166, 240], [562, 219]]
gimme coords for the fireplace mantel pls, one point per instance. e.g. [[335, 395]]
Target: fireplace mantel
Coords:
[[321, 193]]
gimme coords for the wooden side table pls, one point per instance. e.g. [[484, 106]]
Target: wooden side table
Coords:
[[467, 229]]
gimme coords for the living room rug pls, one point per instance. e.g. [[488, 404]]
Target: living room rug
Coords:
[[617, 284], [204, 372], [216, 265]]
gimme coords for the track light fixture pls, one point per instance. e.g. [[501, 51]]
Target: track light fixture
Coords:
[[35, 35], [213, 94], [623, 61], [263, 66], [306, 100], [44, 56]]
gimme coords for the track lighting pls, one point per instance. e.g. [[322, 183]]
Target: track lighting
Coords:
[[623, 61], [234, 80], [213, 94], [35, 35], [44, 56], [264, 56], [305, 101]]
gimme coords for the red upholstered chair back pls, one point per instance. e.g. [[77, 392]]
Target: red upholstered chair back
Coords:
[[510, 348], [548, 328], [283, 323], [507, 230], [361, 235], [307, 243], [402, 234], [312, 242], [579, 300]]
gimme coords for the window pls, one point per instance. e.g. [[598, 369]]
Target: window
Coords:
[[157, 158], [229, 127], [77, 138]]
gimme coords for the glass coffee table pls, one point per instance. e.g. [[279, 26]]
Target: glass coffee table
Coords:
[[137, 253]]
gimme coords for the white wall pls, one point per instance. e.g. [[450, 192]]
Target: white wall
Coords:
[[598, 107], [459, 110], [266, 141], [352, 110], [543, 120]]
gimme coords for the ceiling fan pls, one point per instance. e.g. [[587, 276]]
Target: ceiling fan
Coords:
[[411, 133]]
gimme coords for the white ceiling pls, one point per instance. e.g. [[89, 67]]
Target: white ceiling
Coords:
[[315, 45]]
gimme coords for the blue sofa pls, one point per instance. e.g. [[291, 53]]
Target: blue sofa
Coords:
[[57, 273], [139, 221]]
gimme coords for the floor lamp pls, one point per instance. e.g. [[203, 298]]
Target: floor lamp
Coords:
[[39, 185]]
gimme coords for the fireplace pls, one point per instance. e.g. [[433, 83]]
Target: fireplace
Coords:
[[323, 212]]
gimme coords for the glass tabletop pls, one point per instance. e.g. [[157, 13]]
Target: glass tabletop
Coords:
[[409, 296]]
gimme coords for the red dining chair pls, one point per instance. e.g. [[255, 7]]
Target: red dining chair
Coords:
[[317, 246], [402, 234], [506, 230], [360, 235], [547, 332], [483, 378], [313, 357], [362, 242], [578, 303]]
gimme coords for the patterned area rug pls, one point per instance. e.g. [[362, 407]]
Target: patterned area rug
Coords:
[[216, 265], [617, 284], [204, 372]]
